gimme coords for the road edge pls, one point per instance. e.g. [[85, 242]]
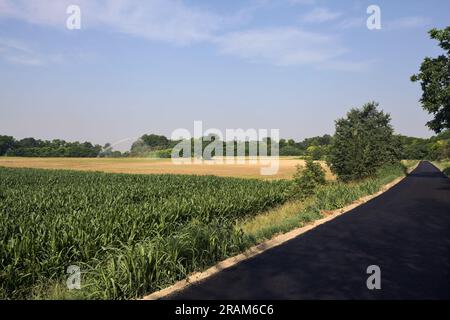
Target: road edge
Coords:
[[269, 244]]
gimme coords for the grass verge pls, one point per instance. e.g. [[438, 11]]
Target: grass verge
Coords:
[[332, 196], [444, 166]]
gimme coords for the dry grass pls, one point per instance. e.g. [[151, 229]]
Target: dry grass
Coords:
[[261, 226], [287, 166]]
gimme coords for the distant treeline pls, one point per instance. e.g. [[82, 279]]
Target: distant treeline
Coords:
[[316, 148], [160, 146], [434, 148], [30, 147], [152, 145]]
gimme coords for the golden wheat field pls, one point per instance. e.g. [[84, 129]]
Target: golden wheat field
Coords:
[[287, 166]]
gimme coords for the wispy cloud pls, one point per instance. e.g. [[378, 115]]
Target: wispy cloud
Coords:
[[163, 20], [43, 12], [319, 15], [408, 23], [172, 21], [280, 46], [19, 53], [286, 46], [349, 23], [23, 52]]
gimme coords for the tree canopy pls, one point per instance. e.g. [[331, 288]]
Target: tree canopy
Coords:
[[434, 78], [362, 144]]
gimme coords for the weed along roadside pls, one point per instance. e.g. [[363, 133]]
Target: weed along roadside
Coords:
[[268, 230]]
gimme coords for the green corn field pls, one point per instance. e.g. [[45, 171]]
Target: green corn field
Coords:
[[130, 234]]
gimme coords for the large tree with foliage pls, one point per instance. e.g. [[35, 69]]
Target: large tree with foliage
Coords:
[[363, 142], [434, 77]]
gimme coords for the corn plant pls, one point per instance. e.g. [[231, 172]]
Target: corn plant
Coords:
[[131, 234]]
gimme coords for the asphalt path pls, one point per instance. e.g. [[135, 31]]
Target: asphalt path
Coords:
[[405, 232]]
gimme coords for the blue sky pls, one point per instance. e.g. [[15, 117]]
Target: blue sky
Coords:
[[137, 67]]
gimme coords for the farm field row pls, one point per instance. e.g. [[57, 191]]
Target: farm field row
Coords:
[[128, 234], [287, 166]]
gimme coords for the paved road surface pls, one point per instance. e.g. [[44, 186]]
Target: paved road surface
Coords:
[[405, 231]]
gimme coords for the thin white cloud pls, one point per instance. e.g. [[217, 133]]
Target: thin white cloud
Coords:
[[14, 45], [162, 20], [43, 12], [22, 52], [18, 52], [24, 60], [350, 23], [174, 22], [411, 22], [279, 46], [319, 15], [287, 46]]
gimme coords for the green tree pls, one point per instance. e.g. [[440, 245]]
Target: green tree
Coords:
[[6, 143], [319, 152], [434, 77], [155, 141], [148, 143], [363, 143]]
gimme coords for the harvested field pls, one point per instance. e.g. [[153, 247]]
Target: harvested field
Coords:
[[158, 166]]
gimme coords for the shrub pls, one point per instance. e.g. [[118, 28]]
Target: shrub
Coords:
[[307, 179], [363, 143]]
